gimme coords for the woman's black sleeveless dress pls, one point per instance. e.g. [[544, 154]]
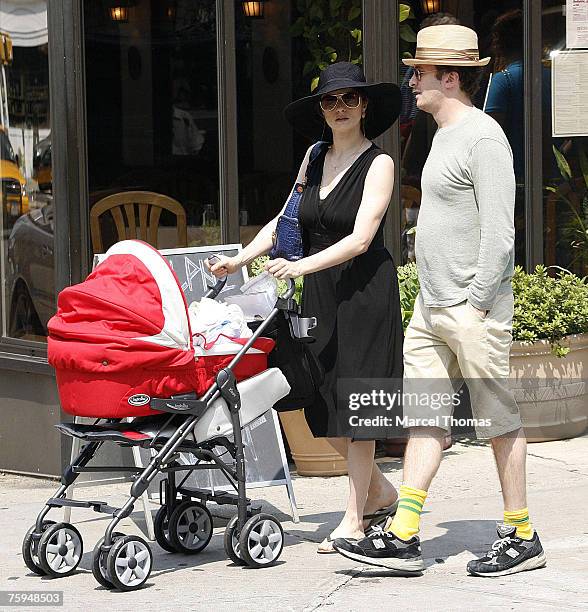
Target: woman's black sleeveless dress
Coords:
[[356, 303]]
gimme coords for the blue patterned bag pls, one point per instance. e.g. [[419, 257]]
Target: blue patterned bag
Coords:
[[287, 236]]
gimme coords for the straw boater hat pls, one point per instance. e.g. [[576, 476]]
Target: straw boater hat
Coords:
[[384, 102], [447, 45]]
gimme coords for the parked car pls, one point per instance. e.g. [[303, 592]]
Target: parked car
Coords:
[[30, 278]]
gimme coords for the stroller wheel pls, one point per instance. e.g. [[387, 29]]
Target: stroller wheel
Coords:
[[161, 528], [129, 563], [99, 557], [231, 542], [190, 527], [261, 540], [30, 558], [60, 549]]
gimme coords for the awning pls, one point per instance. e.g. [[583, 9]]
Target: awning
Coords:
[[25, 21]]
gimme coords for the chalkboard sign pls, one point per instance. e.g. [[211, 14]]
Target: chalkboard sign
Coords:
[[190, 268], [264, 464], [265, 457]]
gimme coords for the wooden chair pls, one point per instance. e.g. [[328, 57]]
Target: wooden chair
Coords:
[[128, 206], [411, 202], [411, 198]]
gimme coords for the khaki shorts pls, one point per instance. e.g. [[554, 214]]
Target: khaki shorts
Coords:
[[446, 346]]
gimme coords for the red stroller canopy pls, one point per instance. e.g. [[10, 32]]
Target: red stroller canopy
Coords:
[[123, 336]]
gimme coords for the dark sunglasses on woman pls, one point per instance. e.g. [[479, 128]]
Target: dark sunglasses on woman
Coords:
[[351, 99]]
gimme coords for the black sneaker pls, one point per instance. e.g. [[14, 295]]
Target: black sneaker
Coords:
[[384, 549], [509, 555]]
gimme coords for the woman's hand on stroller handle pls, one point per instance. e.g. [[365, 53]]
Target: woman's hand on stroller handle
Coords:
[[283, 269], [221, 265]]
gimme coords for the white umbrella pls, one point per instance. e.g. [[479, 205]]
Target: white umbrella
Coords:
[[25, 21]]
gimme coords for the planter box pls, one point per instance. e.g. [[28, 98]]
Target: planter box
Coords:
[[312, 456], [552, 392]]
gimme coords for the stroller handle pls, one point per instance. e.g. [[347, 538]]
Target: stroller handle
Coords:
[[290, 290], [213, 291]]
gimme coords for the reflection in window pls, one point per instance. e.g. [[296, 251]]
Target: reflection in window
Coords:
[[152, 121], [565, 171], [26, 254]]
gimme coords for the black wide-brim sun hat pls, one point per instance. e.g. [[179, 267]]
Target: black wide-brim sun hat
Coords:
[[384, 101]]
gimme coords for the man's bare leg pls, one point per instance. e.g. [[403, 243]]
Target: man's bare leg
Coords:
[[396, 548], [422, 456], [510, 452]]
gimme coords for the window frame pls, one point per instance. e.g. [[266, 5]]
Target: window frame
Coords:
[[67, 120], [533, 133], [381, 58]]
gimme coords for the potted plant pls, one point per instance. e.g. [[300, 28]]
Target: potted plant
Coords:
[[312, 456], [549, 354]]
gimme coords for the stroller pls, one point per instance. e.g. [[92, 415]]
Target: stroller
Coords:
[[122, 349]]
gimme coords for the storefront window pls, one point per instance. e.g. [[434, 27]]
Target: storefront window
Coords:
[[499, 26], [26, 222], [279, 58], [565, 162], [152, 120]]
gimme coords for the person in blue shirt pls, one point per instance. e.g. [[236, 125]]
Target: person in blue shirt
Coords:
[[505, 100]]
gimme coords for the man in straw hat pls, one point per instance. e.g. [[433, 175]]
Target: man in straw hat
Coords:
[[461, 326]]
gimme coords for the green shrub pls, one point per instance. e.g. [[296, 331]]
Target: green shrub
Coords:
[[549, 308], [408, 282]]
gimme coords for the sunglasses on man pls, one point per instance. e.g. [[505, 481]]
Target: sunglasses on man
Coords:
[[418, 73]]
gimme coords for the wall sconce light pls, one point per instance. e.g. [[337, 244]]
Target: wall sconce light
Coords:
[[431, 6], [118, 10], [119, 14], [254, 9], [168, 9]]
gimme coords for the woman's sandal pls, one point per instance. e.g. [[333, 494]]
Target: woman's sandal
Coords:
[[376, 519], [326, 546]]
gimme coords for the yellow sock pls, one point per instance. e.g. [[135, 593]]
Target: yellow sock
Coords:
[[520, 518], [405, 523]]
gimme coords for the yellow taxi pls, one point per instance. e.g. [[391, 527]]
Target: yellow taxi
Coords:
[[15, 201]]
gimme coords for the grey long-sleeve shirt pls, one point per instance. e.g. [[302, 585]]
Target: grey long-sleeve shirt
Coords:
[[465, 229]]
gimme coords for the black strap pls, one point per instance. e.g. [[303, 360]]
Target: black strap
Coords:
[[316, 150]]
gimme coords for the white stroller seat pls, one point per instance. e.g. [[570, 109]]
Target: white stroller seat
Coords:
[[258, 394]]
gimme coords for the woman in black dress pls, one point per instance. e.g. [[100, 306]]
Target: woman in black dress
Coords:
[[350, 282]]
